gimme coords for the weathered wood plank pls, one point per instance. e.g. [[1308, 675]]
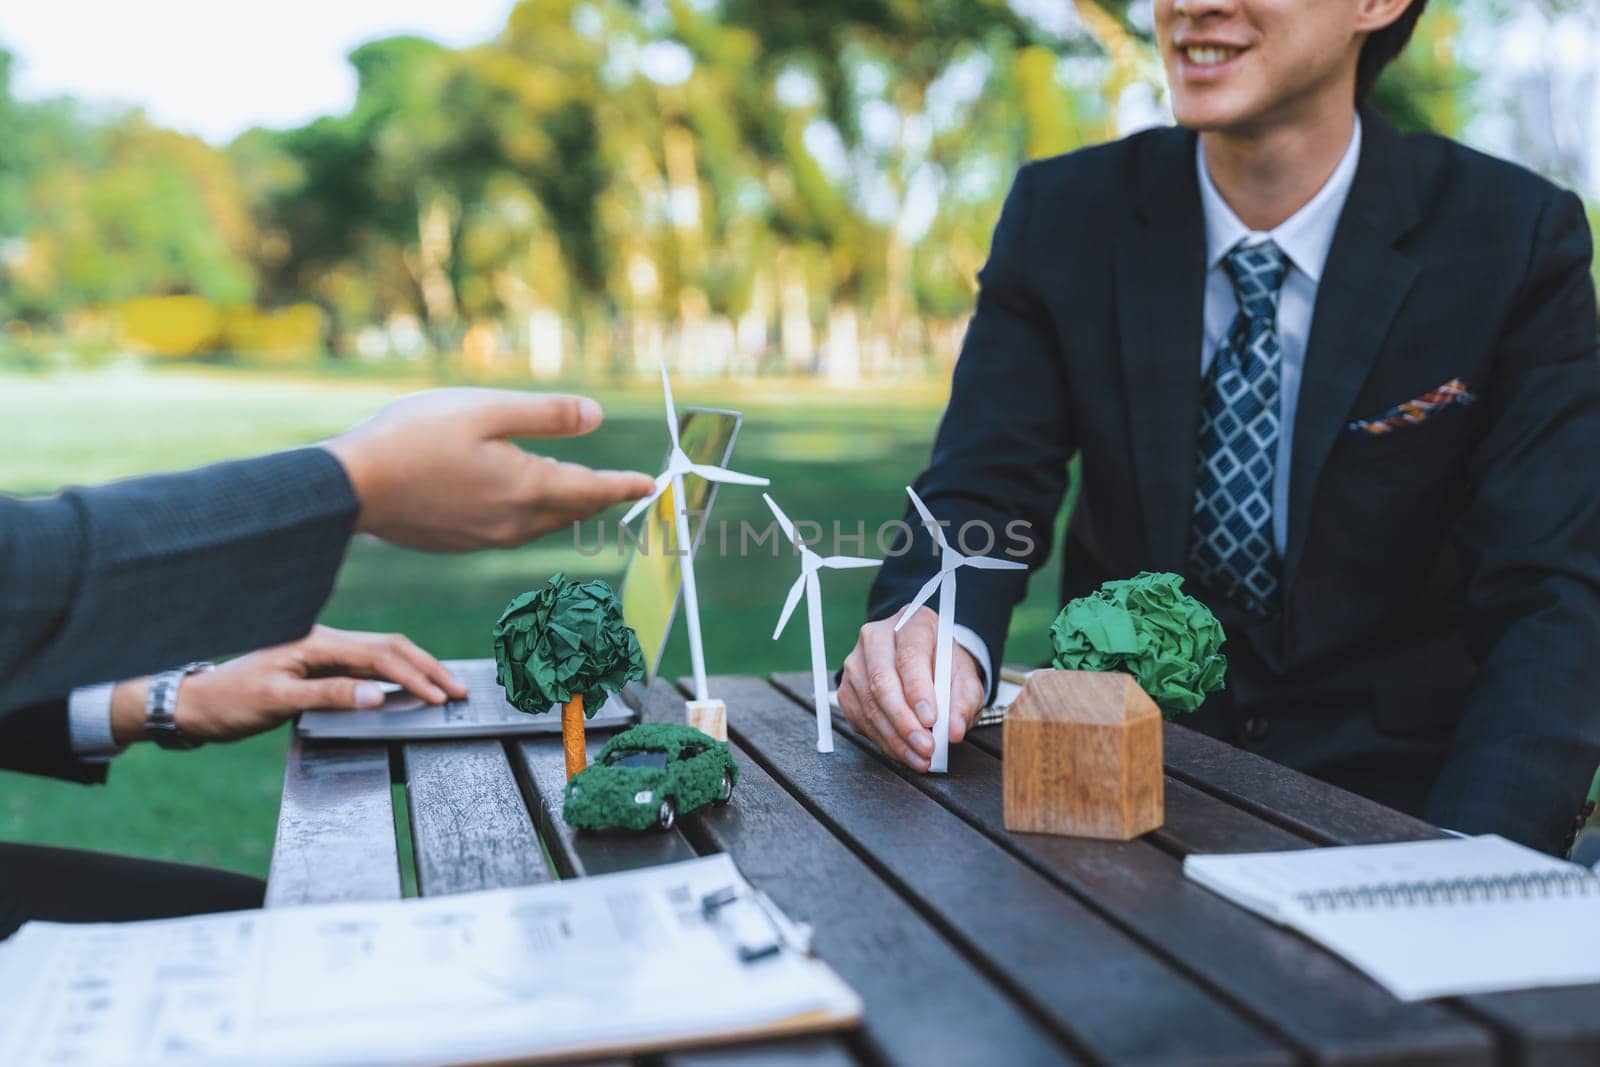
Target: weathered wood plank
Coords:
[[469, 826], [1544, 1027], [335, 836], [820, 1051], [541, 770], [924, 1002], [1094, 985], [1196, 821], [1295, 801], [1537, 1028], [1295, 989]]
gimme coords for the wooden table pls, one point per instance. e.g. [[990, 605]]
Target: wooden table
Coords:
[[968, 945]]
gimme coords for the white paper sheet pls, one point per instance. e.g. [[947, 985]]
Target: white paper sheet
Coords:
[[622, 961]]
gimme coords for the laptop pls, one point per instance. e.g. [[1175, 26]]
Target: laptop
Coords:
[[651, 588]]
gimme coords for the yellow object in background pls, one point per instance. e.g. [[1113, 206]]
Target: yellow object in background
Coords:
[[193, 326], [291, 333], [171, 325]]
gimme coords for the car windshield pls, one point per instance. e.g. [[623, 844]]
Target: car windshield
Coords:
[[649, 757]]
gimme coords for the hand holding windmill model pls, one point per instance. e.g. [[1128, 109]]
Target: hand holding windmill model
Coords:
[[944, 583], [710, 715]]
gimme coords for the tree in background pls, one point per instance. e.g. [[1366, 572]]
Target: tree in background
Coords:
[[97, 211], [738, 187]]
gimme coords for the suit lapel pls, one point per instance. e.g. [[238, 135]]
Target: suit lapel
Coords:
[[1160, 287], [1364, 284]]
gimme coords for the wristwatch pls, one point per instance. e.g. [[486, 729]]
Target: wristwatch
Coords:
[[162, 701]]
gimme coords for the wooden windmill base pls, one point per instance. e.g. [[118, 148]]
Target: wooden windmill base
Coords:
[[708, 716]]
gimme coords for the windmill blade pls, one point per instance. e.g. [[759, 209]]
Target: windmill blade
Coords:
[[722, 474], [783, 520], [672, 412], [795, 592], [663, 480], [927, 517], [989, 563], [844, 563], [923, 596]]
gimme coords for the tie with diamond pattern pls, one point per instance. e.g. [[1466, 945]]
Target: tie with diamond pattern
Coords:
[[1231, 547]]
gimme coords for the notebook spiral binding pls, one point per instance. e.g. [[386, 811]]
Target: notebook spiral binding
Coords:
[[1524, 886]]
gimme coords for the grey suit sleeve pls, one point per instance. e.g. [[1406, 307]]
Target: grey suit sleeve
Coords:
[[137, 576]]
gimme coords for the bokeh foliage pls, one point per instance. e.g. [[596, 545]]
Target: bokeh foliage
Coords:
[[744, 185]]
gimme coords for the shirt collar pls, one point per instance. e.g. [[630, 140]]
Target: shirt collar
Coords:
[[1304, 237]]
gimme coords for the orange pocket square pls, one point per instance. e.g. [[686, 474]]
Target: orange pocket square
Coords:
[[1415, 412]]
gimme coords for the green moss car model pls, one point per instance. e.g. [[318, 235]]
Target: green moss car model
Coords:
[[649, 775]]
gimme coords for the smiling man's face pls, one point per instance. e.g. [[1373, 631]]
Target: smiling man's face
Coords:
[[1243, 65]]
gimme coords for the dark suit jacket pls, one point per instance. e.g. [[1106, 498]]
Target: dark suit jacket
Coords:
[[126, 579], [1438, 646], [36, 740]]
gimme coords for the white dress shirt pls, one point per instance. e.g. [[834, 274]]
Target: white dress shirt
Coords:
[[1304, 238]]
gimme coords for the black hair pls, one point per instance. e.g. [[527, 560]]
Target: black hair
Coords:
[[1382, 46]]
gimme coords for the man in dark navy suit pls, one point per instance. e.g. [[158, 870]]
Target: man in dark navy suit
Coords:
[[1343, 380]]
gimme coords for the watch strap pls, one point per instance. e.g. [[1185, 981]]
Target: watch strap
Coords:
[[160, 706]]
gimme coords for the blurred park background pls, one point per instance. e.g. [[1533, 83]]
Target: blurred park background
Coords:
[[786, 202]]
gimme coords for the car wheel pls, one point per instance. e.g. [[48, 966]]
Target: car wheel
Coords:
[[726, 793], [667, 814]]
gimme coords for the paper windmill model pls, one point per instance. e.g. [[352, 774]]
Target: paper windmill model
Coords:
[[807, 586], [565, 643], [704, 713], [944, 583]]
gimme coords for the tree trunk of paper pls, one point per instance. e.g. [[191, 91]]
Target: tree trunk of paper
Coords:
[[572, 741]]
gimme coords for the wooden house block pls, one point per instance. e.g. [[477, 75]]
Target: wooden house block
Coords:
[[1083, 757]]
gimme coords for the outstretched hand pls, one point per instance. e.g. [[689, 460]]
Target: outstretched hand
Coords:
[[438, 470], [252, 694], [887, 689]]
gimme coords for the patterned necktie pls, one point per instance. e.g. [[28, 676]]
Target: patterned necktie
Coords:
[[1231, 546]]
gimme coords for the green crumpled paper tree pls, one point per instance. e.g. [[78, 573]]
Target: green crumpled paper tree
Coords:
[[565, 643], [1148, 627]]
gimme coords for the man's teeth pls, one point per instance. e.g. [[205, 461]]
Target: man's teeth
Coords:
[[1210, 56]]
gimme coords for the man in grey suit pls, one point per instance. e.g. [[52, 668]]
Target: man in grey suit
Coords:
[[132, 578]]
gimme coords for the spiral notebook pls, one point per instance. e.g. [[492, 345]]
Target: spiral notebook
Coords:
[[1430, 918]]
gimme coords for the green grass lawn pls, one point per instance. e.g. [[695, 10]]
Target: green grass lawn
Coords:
[[831, 456]]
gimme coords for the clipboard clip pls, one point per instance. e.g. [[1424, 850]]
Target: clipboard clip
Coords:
[[756, 926]]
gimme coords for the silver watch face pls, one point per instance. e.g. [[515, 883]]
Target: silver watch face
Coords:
[[160, 723]]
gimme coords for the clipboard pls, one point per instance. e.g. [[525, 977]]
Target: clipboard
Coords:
[[683, 954]]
